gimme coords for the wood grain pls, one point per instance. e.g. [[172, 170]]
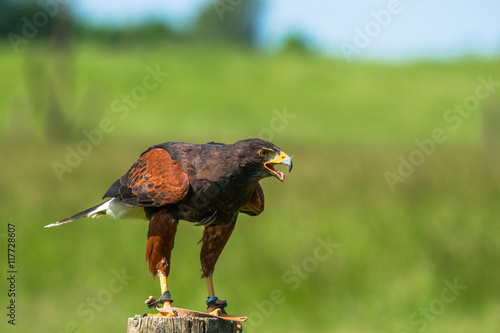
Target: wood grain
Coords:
[[179, 324]]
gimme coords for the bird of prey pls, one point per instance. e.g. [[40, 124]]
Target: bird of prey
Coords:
[[208, 184]]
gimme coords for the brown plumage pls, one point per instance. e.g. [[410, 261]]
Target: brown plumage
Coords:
[[208, 184], [161, 235]]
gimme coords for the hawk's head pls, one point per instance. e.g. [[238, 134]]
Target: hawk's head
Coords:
[[262, 156]]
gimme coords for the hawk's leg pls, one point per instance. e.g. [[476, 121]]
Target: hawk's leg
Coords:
[[214, 239], [161, 235], [215, 306]]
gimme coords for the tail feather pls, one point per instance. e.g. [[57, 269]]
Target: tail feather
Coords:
[[95, 211]]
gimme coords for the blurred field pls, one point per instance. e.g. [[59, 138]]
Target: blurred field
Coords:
[[347, 126]]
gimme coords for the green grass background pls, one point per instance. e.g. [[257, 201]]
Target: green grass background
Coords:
[[350, 124]]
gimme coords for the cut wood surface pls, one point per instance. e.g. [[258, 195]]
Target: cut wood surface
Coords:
[[179, 324]]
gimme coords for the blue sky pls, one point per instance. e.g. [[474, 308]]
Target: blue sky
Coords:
[[393, 29]]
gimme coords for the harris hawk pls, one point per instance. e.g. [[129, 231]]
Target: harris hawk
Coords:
[[208, 184]]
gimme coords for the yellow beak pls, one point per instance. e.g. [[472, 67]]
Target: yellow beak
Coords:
[[282, 158]]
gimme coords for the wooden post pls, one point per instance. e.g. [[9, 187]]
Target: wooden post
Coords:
[[179, 325]]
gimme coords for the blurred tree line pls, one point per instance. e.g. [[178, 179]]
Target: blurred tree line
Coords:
[[54, 26], [220, 21], [224, 21]]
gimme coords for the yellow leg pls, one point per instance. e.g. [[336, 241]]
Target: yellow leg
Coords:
[[163, 286], [210, 286], [166, 303], [215, 306], [218, 308], [211, 294]]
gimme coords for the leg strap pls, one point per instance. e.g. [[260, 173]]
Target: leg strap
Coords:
[[164, 297], [215, 303]]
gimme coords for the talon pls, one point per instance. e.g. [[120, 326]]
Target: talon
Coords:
[[213, 312], [172, 313], [163, 314], [166, 311]]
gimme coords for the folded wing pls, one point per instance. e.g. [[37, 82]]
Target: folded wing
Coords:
[[256, 205], [154, 180]]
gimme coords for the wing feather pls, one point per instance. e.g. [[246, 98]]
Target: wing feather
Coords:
[[154, 180], [256, 205]]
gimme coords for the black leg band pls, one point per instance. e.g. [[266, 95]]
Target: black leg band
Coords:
[[164, 297]]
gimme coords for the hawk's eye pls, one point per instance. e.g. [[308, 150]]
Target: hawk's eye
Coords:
[[264, 152]]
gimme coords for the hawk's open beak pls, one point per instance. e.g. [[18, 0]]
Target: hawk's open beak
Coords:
[[280, 159]]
